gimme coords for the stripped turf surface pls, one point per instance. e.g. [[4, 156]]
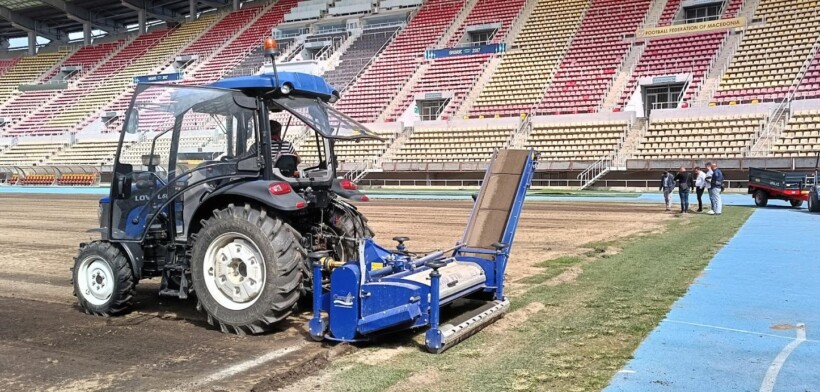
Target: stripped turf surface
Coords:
[[578, 321]]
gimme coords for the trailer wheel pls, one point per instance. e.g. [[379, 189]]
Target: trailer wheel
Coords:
[[761, 198], [246, 269], [814, 203], [103, 280], [796, 203]]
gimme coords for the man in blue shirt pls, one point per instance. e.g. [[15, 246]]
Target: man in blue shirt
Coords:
[[716, 187]]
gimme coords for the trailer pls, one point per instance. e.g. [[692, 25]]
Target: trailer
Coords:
[[771, 184]]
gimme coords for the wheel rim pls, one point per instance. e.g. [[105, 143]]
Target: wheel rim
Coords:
[[234, 271], [95, 280]]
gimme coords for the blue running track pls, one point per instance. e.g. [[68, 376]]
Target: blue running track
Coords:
[[751, 322]]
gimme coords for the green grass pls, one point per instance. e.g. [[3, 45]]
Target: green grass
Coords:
[[577, 334]]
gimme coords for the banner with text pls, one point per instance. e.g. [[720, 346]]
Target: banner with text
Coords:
[[157, 78], [483, 49], [690, 28]]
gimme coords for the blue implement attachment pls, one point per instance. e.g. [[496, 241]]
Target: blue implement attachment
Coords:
[[386, 290]]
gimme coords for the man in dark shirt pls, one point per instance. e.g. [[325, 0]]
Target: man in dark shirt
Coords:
[[684, 181]]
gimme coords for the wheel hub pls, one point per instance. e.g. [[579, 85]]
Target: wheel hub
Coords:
[[95, 280], [234, 271]]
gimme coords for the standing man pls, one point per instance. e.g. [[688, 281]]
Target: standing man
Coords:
[[700, 185], [684, 182], [709, 174], [667, 186], [715, 188]]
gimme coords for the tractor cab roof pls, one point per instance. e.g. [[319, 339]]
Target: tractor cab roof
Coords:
[[289, 83]]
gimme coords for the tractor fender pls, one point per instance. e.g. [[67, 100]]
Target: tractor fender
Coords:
[[133, 251], [350, 194], [255, 192]]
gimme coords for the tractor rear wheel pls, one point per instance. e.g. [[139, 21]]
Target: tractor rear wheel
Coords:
[[814, 203], [103, 280], [246, 269], [796, 203], [348, 222], [761, 198]]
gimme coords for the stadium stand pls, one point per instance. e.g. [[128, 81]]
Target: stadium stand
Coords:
[[810, 85], [386, 75], [157, 57], [192, 141], [353, 151], [87, 152], [358, 55], [234, 51], [801, 136], [28, 70], [441, 141], [31, 152], [527, 69], [705, 136], [594, 56], [7, 64], [453, 75], [574, 138], [692, 55], [771, 54], [457, 75], [487, 12], [87, 58]]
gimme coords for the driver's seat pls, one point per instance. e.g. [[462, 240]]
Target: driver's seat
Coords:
[[287, 164]]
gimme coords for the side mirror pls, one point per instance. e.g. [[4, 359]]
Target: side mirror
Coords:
[[122, 186], [132, 122]]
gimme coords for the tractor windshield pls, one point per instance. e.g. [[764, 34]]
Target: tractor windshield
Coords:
[[323, 118]]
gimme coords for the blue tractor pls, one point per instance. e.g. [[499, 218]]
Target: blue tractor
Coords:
[[234, 227], [250, 230]]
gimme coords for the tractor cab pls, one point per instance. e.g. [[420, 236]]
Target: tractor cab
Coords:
[[214, 140]]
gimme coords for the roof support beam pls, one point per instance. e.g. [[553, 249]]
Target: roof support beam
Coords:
[[151, 8], [29, 25], [215, 3], [83, 15]]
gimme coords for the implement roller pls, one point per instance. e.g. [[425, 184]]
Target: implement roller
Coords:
[[385, 291]]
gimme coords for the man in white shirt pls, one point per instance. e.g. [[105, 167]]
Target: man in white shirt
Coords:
[[700, 186], [708, 180]]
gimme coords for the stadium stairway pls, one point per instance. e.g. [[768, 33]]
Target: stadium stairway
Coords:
[[383, 79], [457, 75]]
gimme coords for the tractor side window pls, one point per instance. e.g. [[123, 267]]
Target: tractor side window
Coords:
[[187, 139]]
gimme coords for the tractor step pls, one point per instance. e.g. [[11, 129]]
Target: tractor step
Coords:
[[472, 322]]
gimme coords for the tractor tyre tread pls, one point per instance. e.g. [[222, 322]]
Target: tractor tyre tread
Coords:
[[126, 282], [288, 265]]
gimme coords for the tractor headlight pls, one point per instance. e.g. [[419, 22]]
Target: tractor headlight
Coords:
[[285, 89], [333, 98]]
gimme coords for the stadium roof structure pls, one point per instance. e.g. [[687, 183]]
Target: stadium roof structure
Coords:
[[55, 19]]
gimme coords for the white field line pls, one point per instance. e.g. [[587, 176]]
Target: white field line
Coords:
[[245, 366], [738, 330], [777, 364]]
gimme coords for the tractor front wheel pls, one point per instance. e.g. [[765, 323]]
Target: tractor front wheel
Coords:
[[246, 269], [796, 203], [103, 280]]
